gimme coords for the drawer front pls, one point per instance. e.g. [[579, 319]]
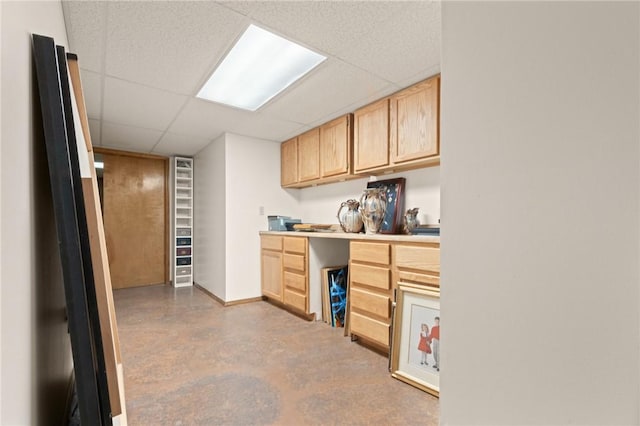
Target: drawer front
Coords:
[[377, 331], [295, 245], [295, 300], [183, 261], [373, 276], [183, 241], [415, 278], [372, 303], [184, 251], [183, 232], [271, 242], [295, 262], [370, 252], [416, 257], [183, 271], [297, 281]]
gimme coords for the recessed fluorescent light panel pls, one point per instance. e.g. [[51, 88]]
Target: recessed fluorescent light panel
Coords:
[[258, 67]]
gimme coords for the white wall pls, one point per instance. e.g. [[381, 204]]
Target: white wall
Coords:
[[35, 352], [320, 203], [540, 209], [253, 180], [210, 218]]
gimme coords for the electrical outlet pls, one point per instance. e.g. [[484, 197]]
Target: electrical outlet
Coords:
[[261, 210]]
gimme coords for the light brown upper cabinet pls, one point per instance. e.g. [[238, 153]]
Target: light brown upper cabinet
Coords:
[[336, 147], [371, 136], [399, 132], [320, 155], [289, 162], [309, 155], [414, 122]]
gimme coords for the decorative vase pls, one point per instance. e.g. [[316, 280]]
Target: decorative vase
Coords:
[[351, 219], [410, 220], [373, 205]]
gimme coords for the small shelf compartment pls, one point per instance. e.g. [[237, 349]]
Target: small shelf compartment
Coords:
[[182, 254]]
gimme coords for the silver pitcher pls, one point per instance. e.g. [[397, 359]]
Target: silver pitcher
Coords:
[[373, 205]]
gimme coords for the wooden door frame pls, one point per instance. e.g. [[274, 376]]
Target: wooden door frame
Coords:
[[109, 151]]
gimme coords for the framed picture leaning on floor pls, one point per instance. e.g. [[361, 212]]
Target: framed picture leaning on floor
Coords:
[[415, 346]]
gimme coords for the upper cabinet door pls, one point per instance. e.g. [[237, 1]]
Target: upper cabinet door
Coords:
[[289, 162], [309, 155], [415, 122], [371, 136], [335, 147]]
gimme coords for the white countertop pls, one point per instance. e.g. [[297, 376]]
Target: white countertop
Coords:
[[361, 236]]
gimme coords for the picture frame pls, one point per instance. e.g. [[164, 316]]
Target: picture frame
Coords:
[[394, 192], [415, 343], [335, 290]]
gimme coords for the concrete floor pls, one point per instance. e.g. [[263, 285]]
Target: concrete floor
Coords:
[[189, 361]]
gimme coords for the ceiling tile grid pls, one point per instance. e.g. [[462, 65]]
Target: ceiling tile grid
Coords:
[[142, 63]]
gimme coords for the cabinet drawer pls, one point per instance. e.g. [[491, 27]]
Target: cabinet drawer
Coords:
[[416, 278], [370, 302], [271, 242], [183, 232], [183, 271], [296, 281], [294, 261], [373, 276], [183, 261], [183, 241], [295, 245], [377, 331], [370, 252], [183, 251], [417, 257], [295, 300]]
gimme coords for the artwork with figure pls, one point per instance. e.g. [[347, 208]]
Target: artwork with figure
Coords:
[[425, 332]]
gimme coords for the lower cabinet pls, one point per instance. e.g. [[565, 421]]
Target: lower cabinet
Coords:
[[376, 269], [271, 266], [284, 271], [370, 291]]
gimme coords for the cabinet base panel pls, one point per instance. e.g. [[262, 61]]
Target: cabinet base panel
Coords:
[[370, 344], [296, 312]]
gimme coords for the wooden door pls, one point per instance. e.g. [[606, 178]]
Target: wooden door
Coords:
[[335, 147], [414, 122], [135, 214], [289, 162], [371, 136], [309, 155]]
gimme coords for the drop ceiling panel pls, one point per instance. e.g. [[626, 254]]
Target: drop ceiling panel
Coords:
[[199, 119], [129, 138], [327, 89], [209, 120], [91, 90], [391, 53], [174, 144], [140, 106], [86, 27], [169, 45]]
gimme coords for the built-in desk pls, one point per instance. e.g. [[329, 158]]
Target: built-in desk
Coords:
[[291, 264]]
